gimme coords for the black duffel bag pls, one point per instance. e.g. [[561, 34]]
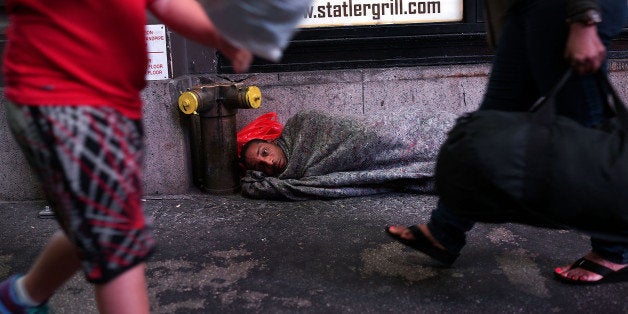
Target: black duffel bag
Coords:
[[538, 168]]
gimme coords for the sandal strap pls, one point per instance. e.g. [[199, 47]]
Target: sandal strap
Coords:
[[592, 267], [416, 232]]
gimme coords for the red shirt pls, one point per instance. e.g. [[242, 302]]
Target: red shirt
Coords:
[[68, 52]]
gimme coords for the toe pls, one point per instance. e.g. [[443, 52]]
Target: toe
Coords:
[[398, 230], [561, 270]]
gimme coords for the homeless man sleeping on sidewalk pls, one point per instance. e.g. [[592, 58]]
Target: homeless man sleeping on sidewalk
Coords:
[[323, 155]]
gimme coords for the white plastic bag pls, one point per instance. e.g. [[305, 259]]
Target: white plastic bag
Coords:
[[264, 27]]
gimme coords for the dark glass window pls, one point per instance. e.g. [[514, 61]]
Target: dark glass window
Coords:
[[449, 43], [384, 45]]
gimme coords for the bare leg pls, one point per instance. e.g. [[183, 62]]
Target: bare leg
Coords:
[[577, 273], [57, 263], [126, 293]]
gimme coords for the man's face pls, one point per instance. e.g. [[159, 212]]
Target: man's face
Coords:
[[266, 157]]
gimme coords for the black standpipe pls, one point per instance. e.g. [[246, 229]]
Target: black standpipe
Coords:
[[213, 136]]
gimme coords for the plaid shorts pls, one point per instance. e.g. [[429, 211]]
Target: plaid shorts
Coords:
[[88, 160]]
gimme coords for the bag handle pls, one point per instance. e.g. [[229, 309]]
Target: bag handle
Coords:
[[618, 107], [551, 95], [545, 106]]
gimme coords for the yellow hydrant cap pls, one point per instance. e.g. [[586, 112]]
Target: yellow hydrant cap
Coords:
[[188, 102], [253, 97]]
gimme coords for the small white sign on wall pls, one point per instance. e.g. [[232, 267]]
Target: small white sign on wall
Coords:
[[157, 53]]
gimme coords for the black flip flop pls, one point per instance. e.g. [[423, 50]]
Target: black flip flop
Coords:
[[608, 275], [423, 244]]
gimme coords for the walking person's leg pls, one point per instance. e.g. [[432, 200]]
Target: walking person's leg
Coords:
[[89, 162], [441, 238], [125, 293], [444, 235], [57, 263], [582, 101]]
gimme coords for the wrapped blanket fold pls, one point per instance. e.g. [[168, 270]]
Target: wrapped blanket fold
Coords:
[[332, 156]]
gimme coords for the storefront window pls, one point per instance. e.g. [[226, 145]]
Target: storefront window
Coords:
[[344, 34], [341, 34]]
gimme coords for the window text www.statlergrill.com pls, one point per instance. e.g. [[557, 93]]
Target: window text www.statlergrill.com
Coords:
[[375, 9]]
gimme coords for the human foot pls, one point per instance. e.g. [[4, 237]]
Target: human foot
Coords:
[[407, 234], [9, 302], [420, 238], [592, 269]]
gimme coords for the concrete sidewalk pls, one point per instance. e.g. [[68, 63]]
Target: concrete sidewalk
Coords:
[[229, 254]]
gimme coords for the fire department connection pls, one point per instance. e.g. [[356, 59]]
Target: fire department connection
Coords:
[[212, 112]]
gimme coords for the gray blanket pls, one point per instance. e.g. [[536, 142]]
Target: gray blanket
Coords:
[[331, 156]]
